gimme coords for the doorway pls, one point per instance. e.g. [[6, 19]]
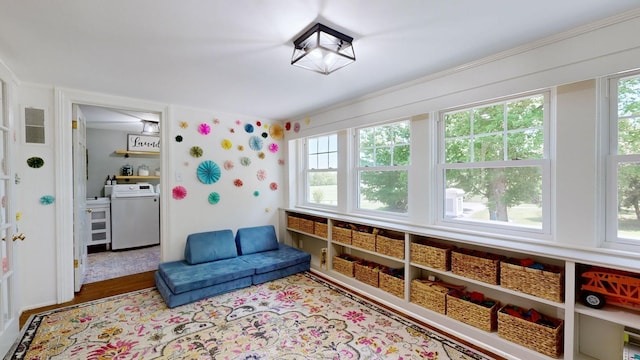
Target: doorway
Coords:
[[110, 163]]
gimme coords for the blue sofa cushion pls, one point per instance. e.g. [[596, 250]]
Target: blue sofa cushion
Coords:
[[210, 246], [256, 239], [284, 257], [181, 276]]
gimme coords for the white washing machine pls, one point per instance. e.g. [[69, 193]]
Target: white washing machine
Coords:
[[135, 216]]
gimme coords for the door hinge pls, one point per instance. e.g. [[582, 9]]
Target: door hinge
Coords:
[[75, 263], [74, 124]]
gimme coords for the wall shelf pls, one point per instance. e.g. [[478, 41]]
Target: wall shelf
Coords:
[[126, 178], [126, 153]]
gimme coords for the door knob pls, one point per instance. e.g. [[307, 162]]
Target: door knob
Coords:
[[89, 210], [20, 237]]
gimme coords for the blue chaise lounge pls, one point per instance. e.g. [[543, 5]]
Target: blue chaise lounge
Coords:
[[216, 263]]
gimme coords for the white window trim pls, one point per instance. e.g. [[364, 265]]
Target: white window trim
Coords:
[[304, 166], [355, 177], [610, 146], [544, 233]]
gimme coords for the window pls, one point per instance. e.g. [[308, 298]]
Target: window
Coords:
[[322, 170], [623, 183], [493, 164], [383, 165]]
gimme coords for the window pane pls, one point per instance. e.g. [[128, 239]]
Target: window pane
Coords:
[[527, 144], [401, 155], [313, 161], [629, 201], [323, 144], [312, 145], [333, 160], [457, 151], [457, 124], [488, 148], [488, 119], [383, 156], [495, 195], [628, 136], [366, 137], [629, 97], [366, 157], [525, 113], [384, 190], [323, 161], [323, 188]]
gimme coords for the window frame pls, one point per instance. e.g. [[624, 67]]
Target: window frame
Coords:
[[357, 168], [612, 161], [306, 193], [544, 163]]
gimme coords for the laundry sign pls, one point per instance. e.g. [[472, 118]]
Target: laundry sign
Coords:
[[136, 142]]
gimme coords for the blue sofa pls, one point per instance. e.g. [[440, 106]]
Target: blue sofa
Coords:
[[215, 262]]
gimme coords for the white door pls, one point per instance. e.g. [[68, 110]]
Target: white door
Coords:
[[81, 231], [9, 320]]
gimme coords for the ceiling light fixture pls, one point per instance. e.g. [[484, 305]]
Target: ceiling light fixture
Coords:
[[322, 49], [150, 127]]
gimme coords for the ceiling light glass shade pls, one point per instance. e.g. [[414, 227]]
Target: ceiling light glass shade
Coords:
[[322, 49], [150, 127]]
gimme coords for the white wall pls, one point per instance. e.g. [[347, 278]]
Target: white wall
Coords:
[[238, 206], [36, 265]]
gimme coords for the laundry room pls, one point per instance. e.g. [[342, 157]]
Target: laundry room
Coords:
[[123, 192]]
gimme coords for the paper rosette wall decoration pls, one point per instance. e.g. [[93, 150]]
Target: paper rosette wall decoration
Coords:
[[276, 132], [196, 151], [245, 161], [255, 143], [47, 200], [35, 162], [214, 198], [208, 172], [204, 129], [248, 128], [179, 192]]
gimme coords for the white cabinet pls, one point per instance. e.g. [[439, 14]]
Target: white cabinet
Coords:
[[578, 337], [100, 222]]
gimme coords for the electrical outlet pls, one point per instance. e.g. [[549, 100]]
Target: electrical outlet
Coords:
[[179, 176], [300, 244]]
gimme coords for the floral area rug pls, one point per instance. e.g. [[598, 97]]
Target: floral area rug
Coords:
[[298, 317]]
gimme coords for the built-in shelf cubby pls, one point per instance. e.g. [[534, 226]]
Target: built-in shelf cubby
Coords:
[[420, 270]]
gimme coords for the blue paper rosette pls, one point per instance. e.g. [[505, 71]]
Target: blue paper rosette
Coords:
[[255, 143], [208, 172]]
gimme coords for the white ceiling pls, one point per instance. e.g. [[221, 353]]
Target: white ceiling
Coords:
[[234, 55]]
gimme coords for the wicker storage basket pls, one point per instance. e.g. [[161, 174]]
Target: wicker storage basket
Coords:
[[431, 254], [429, 295], [305, 225], [390, 246], [341, 235], [364, 240], [482, 317], [292, 222], [343, 266], [366, 273], [547, 284], [391, 284], [321, 229], [476, 265], [543, 339]]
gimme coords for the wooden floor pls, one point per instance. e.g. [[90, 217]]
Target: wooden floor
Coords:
[[100, 289]]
